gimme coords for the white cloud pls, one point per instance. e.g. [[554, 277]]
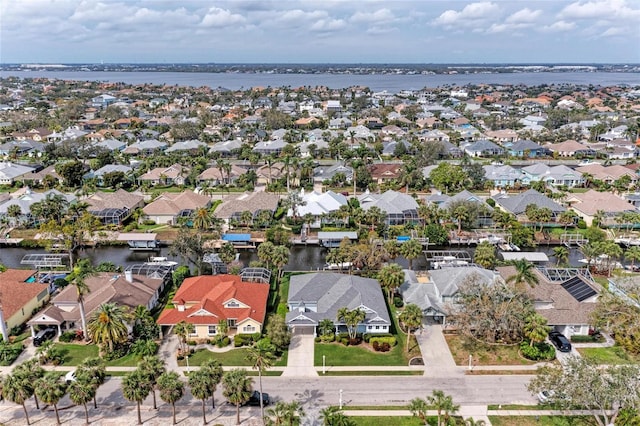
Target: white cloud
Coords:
[[501, 28], [470, 13], [559, 26], [614, 31], [380, 15], [524, 15], [220, 18], [328, 25]]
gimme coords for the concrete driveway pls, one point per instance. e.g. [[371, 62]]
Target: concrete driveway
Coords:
[[437, 358], [300, 358]]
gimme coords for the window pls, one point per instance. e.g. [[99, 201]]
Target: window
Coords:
[[231, 322], [212, 330], [377, 327], [233, 304], [249, 329]]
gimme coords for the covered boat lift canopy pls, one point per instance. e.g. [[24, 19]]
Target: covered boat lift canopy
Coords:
[[531, 256], [333, 239], [140, 240]]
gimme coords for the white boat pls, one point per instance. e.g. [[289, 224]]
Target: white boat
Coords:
[[337, 266], [448, 261], [602, 261], [157, 260]]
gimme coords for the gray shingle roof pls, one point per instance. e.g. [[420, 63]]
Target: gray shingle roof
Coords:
[[517, 204]]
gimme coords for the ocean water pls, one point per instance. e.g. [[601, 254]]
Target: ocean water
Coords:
[[376, 82]]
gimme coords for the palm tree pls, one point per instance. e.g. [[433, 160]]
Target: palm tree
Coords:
[[535, 328], [135, 388], [93, 372], [280, 258], [202, 218], [632, 254], [562, 255], [81, 271], [391, 277], [50, 389], [171, 389], [151, 368], [442, 403], [460, 214], [411, 250], [411, 317], [293, 412], [17, 390], [525, 273], [108, 325], [201, 388], [333, 416], [214, 369], [182, 330], [261, 357], [326, 327], [81, 392], [419, 408], [471, 422], [351, 318], [265, 253], [237, 388], [30, 371]]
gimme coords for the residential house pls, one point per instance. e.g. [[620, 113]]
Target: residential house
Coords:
[[10, 172], [207, 300], [254, 202], [325, 173], [435, 291], [485, 211], [566, 300], [608, 174], [213, 176], [588, 204], [192, 146], [113, 208], [318, 204], [145, 147], [517, 204], [169, 207], [227, 148], [502, 176], [111, 145], [99, 174], [525, 148], [172, 175], [385, 172], [571, 148], [483, 148], [270, 147], [20, 295], [20, 148], [37, 176], [400, 209], [139, 285], [318, 296], [560, 175], [24, 199], [102, 101], [502, 136]]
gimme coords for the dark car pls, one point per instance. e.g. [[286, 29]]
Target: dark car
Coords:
[[254, 399], [44, 335], [560, 342]]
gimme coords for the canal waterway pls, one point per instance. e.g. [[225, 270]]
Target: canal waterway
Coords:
[[303, 258]]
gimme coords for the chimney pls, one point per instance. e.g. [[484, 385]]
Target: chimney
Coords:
[[128, 275]]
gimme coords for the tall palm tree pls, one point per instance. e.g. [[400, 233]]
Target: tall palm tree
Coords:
[[17, 390], [632, 254], [265, 253], [81, 392], [334, 416], [213, 368], [182, 330], [419, 408], [442, 403], [93, 372], [293, 412], [202, 218], [461, 214], [561, 254], [30, 371], [151, 368], [261, 357], [391, 277], [411, 250], [411, 317], [135, 388], [108, 325], [201, 388], [280, 258], [81, 271], [351, 318], [50, 389], [237, 388], [171, 389], [525, 273]]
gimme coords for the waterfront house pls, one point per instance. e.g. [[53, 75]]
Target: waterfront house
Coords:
[[206, 300], [317, 296], [20, 295], [399, 208], [318, 204], [169, 207], [24, 198], [485, 211], [113, 208], [608, 174], [517, 204], [588, 204], [566, 298], [139, 285], [254, 202], [434, 290], [213, 176]]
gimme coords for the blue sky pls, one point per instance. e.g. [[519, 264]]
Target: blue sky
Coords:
[[364, 31]]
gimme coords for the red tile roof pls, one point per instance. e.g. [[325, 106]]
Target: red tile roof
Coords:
[[208, 293], [15, 292]]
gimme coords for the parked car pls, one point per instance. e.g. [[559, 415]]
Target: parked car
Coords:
[[70, 377], [560, 342], [44, 335], [545, 395], [255, 399]]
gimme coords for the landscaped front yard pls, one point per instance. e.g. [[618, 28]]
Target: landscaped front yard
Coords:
[[484, 354], [339, 355], [233, 358], [73, 354], [613, 355]]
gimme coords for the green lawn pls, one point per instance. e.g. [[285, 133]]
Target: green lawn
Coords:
[[339, 355], [542, 420], [386, 421], [235, 357], [74, 354], [613, 355]]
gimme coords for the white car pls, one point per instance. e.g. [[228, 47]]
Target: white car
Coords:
[[545, 396], [70, 376]]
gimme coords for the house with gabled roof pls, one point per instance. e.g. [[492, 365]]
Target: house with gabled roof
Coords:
[[525, 148], [9, 172], [385, 172], [483, 148], [207, 300], [113, 208], [517, 204], [317, 296], [571, 148], [608, 174], [145, 147], [214, 176], [502, 176], [20, 295], [172, 175], [169, 207], [399, 208], [588, 204], [559, 175]]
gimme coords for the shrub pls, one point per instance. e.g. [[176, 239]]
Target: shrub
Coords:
[[381, 347], [9, 352], [397, 302], [587, 339], [191, 342], [328, 338], [345, 341], [368, 336], [391, 341], [68, 336], [582, 224], [538, 352], [148, 222], [317, 339], [244, 339]]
